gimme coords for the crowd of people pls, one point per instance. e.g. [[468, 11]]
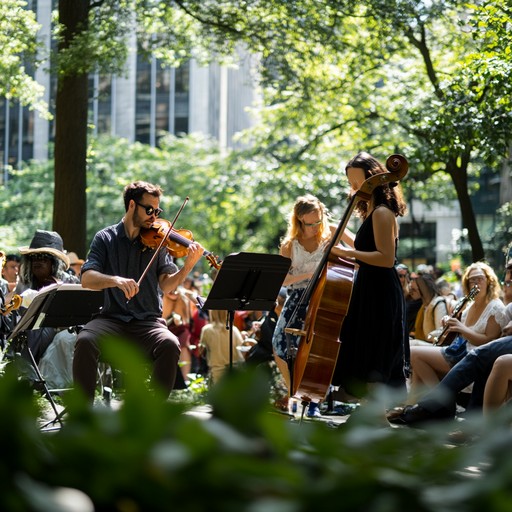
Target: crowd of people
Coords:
[[431, 334]]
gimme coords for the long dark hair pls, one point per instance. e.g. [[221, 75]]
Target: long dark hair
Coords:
[[389, 194]]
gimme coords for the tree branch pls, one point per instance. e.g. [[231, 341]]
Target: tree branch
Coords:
[[207, 22], [422, 46]]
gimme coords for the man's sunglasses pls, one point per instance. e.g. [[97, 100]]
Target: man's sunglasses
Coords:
[[150, 210]]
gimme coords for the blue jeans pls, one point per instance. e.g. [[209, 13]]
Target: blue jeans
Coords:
[[474, 367]]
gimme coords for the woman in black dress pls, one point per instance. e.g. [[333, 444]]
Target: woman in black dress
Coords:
[[374, 339]]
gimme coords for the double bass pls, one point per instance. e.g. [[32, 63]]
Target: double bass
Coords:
[[327, 299]]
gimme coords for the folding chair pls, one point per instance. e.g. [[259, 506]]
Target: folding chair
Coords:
[[59, 305]]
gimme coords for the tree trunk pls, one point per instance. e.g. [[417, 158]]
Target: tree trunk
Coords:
[[459, 176], [69, 206]]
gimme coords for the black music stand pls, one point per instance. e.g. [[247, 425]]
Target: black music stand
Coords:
[[247, 281], [58, 305]]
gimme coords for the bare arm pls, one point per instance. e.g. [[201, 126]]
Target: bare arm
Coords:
[[97, 281], [492, 331], [385, 233], [286, 251], [169, 282]]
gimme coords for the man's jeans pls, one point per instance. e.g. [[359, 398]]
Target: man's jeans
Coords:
[[474, 367]]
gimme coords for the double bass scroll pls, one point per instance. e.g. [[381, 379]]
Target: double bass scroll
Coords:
[[327, 299]]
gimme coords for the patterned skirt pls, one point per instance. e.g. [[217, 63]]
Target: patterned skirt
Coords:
[[280, 340]]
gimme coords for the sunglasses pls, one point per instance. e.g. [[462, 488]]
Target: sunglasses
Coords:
[[150, 210], [312, 224]]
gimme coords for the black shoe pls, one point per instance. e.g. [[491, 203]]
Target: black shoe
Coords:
[[410, 414]]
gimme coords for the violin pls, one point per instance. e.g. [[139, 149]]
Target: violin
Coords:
[[177, 241], [446, 337], [13, 304]]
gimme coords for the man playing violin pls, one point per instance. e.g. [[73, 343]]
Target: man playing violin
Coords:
[[132, 276]]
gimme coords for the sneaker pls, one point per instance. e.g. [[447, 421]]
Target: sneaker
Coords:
[[313, 411], [344, 409]]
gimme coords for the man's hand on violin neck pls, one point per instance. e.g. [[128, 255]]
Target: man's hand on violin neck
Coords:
[[195, 252]]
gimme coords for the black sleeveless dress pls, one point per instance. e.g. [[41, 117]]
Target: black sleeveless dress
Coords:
[[374, 340]]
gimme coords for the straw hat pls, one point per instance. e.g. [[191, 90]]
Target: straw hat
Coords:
[[47, 242]]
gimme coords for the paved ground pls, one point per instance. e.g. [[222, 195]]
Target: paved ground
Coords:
[[50, 420]]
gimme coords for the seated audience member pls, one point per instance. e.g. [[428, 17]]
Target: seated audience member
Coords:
[[4, 285], [474, 369], [445, 289], [10, 313], [216, 344], [412, 299], [498, 389], [432, 311], [75, 263], [177, 312], [10, 270], [262, 351], [480, 323], [42, 263]]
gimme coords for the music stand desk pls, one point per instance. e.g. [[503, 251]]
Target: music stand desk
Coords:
[[247, 281]]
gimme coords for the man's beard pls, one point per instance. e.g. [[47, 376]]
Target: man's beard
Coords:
[[138, 222]]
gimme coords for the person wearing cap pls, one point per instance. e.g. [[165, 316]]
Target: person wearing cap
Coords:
[[119, 264], [43, 263], [75, 263]]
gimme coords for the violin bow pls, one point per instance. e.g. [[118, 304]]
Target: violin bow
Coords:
[[164, 238]]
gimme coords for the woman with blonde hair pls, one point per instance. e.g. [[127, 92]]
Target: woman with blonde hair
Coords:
[[480, 323], [215, 342], [306, 239]]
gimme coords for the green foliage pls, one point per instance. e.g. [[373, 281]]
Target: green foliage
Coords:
[[18, 47], [502, 237], [26, 204], [237, 202], [150, 454]]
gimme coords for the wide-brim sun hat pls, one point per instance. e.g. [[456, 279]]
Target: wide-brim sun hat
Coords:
[[46, 242]]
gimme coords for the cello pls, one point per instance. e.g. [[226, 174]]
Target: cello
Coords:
[[327, 299]]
